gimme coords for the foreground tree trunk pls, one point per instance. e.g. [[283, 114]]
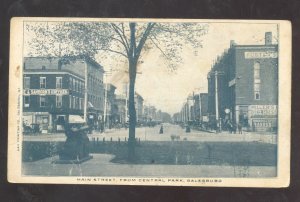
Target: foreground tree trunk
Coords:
[[132, 59], [132, 112]]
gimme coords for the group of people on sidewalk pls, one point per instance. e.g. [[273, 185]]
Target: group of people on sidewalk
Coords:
[[232, 127]]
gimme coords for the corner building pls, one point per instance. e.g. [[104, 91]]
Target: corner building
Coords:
[[247, 86], [53, 90]]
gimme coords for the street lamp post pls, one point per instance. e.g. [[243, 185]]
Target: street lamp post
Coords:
[[217, 99]]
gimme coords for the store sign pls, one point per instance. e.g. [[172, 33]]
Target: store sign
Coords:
[[262, 124], [263, 54], [231, 83], [263, 110], [46, 92], [205, 118]]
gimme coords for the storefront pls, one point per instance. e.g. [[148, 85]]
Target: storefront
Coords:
[[37, 122], [263, 118]]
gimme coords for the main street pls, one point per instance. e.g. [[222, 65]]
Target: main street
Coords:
[[152, 134]]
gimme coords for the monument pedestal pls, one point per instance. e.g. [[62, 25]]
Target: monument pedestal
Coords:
[[76, 149]]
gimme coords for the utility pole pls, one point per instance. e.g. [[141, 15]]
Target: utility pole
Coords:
[[200, 112], [105, 101], [105, 96], [85, 91], [216, 96]]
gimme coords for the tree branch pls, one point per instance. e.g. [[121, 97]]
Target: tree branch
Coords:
[[123, 32], [113, 51], [144, 38], [116, 29], [157, 46]]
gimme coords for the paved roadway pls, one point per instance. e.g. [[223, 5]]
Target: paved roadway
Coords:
[[152, 134]]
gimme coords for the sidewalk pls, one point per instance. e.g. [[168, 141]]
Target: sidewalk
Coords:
[[100, 165]]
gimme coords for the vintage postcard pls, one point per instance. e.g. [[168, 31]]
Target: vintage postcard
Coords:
[[166, 102]]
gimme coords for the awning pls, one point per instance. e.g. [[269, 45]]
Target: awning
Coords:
[[76, 119], [90, 105]]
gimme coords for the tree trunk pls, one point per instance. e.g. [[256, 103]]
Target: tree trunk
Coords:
[[132, 112]]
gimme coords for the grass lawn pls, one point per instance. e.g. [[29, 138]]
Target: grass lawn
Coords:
[[173, 152], [194, 153]]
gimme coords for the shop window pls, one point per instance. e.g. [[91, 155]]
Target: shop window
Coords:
[[26, 101], [58, 101], [43, 101], [58, 82], [42, 82], [26, 82]]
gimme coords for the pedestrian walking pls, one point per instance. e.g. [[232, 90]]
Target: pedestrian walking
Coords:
[[187, 129], [240, 128], [234, 128], [230, 127], [161, 130]]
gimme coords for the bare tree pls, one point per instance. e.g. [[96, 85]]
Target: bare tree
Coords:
[[130, 40]]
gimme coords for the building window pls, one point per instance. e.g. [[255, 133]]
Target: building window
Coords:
[[256, 80], [43, 67], [257, 91], [257, 95], [58, 82], [26, 82], [42, 82], [43, 101], [77, 86], [71, 83], [58, 101], [80, 103], [256, 70], [70, 101], [74, 102], [74, 87], [26, 101]]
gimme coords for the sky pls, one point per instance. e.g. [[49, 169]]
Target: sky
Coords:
[[168, 90]]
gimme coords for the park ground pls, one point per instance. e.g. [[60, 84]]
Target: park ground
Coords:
[[173, 153]]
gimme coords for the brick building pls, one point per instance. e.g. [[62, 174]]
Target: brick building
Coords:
[[243, 86], [200, 107], [53, 89], [247, 86]]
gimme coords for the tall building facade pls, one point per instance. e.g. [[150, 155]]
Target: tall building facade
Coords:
[[243, 86], [53, 89], [139, 107]]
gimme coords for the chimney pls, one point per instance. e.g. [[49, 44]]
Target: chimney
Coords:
[[268, 38], [232, 43]]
